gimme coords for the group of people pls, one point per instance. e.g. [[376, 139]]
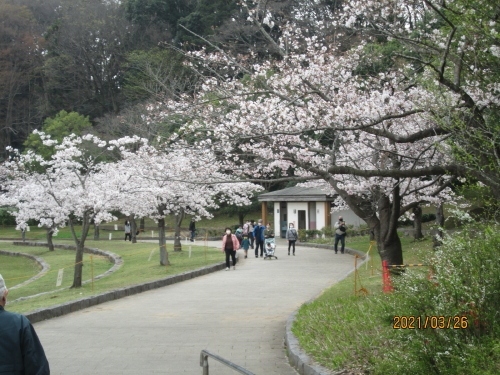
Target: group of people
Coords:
[[252, 235], [20, 349]]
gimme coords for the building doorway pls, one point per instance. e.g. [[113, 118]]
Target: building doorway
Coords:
[[302, 219]]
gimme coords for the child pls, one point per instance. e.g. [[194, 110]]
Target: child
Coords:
[[245, 244]]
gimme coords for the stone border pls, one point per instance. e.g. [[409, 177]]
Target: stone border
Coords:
[[297, 358], [112, 257], [69, 307], [41, 262]]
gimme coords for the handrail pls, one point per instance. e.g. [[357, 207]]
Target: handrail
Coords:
[[204, 363]]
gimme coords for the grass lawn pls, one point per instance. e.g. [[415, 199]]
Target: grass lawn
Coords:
[[138, 267], [218, 222], [339, 329], [17, 270]]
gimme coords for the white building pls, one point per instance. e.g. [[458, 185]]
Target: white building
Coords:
[[305, 207]]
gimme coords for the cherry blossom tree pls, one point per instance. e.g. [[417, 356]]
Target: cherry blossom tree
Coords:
[[176, 179], [373, 139], [72, 186], [452, 49]]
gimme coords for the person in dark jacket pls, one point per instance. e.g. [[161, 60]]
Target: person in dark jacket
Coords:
[[21, 352], [258, 234], [292, 236], [192, 229]]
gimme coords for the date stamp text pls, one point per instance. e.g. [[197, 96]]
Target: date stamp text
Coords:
[[432, 322]]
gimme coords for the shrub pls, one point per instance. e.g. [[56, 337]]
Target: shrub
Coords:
[[328, 232], [6, 218], [428, 217], [466, 283], [302, 235], [312, 233]]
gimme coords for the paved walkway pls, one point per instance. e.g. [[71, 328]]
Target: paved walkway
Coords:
[[239, 315]]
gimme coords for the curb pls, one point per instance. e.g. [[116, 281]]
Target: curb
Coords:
[[69, 307], [72, 306], [41, 262], [112, 257], [297, 357]]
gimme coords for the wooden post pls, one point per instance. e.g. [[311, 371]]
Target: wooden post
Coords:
[[328, 216], [92, 270], [264, 213]]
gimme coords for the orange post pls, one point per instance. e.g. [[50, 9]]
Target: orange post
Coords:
[[386, 278]]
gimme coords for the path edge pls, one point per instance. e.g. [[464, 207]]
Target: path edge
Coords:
[[69, 307], [297, 357]]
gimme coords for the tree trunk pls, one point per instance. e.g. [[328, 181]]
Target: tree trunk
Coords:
[[241, 218], [96, 232], [80, 244], [177, 237], [142, 225], [163, 243], [438, 235], [417, 223], [23, 235], [77, 277], [50, 232], [383, 228], [388, 241], [133, 229]]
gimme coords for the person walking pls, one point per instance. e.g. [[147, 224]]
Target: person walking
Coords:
[[258, 234], [239, 234], [340, 233], [192, 229], [20, 349], [251, 237], [245, 244], [292, 236], [229, 245], [128, 229]]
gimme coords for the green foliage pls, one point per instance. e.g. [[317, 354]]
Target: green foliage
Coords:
[[152, 11], [153, 74], [201, 17], [466, 283], [6, 218], [207, 16], [328, 231], [378, 58], [62, 125], [312, 233]]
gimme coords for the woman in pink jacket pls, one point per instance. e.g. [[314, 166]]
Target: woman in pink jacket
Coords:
[[229, 245]]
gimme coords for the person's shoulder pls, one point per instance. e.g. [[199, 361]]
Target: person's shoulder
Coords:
[[13, 317]]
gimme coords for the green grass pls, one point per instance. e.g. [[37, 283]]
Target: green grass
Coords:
[[137, 268], [17, 270], [341, 328], [218, 222]]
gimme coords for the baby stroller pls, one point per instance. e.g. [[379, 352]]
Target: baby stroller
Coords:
[[269, 248]]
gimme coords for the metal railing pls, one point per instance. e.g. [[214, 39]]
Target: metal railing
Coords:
[[204, 363]]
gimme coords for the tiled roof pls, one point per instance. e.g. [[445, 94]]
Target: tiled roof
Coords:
[[297, 194]]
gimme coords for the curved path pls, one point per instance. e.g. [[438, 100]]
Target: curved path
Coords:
[[239, 315]]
